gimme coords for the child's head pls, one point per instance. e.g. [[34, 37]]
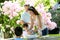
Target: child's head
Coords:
[[25, 26], [26, 6], [18, 31]]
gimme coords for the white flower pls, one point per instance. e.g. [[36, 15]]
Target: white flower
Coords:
[[49, 15], [12, 29], [7, 26], [18, 21], [0, 25]]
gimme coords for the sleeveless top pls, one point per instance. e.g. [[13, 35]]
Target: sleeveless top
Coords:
[[42, 21]]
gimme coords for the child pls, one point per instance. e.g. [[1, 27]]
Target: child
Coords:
[[25, 15], [18, 33], [25, 31]]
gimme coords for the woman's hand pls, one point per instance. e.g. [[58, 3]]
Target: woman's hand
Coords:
[[22, 22]]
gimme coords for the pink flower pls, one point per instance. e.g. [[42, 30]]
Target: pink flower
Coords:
[[16, 7], [40, 8], [15, 14], [11, 9], [52, 25], [6, 8], [47, 21], [48, 15], [6, 13], [44, 15], [6, 2], [31, 2], [10, 16]]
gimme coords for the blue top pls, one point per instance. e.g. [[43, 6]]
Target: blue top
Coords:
[[18, 39], [25, 17]]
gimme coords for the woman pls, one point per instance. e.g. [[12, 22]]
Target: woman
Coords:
[[37, 20]]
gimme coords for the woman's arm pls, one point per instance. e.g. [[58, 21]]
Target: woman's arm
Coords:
[[21, 22], [31, 23], [39, 22]]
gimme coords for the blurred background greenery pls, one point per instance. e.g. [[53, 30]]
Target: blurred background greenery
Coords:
[[47, 3]]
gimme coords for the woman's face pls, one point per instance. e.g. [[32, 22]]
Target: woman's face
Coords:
[[31, 13]]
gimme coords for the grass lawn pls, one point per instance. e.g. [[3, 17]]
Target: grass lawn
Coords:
[[54, 34]]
